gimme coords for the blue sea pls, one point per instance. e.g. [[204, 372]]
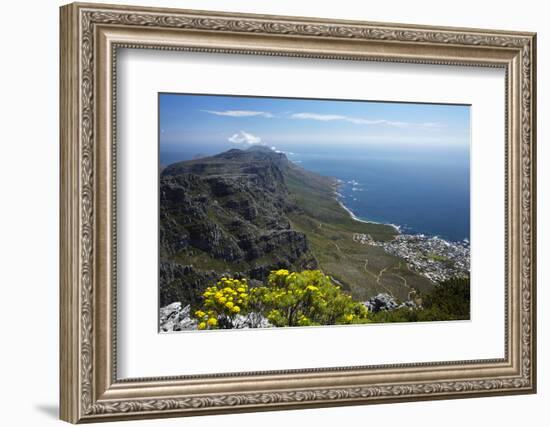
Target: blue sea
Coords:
[[424, 191]]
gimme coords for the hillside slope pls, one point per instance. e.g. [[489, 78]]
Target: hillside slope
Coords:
[[251, 211]]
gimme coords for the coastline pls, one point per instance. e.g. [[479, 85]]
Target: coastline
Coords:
[[356, 218], [338, 197], [427, 255]]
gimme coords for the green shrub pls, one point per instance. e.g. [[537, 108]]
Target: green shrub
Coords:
[[449, 300], [403, 314], [288, 299], [305, 299], [309, 298], [222, 304]]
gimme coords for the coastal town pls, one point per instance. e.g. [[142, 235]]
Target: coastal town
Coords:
[[433, 257]]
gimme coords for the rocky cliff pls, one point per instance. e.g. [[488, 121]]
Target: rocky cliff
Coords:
[[226, 214]]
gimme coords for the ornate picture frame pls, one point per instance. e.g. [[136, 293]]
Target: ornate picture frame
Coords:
[[90, 37]]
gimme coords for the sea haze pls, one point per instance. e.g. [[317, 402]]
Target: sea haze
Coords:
[[420, 189]]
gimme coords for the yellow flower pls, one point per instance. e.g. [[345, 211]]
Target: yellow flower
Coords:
[[236, 309], [222, 300], [241, 289], [312, 288], [212, 321], [229, 305], [282, 272], [202, 325], [200, 314]]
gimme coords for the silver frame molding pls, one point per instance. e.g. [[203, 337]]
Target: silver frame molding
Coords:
[[90, 37]]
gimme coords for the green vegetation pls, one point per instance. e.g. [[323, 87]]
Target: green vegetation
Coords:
[[361, 269], [315, 195], [309, 298], [449, 300], [289, 299], [222, 304], [437, 257], [306, 299]]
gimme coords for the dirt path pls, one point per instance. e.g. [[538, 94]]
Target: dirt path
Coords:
[[377, 277], [402, 279], [380, 275], [367, 270]]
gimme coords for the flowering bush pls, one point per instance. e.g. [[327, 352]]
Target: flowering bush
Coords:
[[289, 299], [222, 303], [305, 299]]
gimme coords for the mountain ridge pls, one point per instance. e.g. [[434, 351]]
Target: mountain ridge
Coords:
[[227, 212], [247, 212]]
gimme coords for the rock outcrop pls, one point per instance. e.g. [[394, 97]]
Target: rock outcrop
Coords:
[[226, 214], [176, 317], [386, 302]]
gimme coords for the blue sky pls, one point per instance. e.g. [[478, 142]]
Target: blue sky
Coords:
[[221, 122]]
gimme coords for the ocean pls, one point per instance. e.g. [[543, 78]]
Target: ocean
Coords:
[[421, 191]]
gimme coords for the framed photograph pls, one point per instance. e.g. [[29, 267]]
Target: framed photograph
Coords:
[[266, 212]]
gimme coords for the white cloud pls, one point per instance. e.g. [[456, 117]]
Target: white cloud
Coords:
[[431, 125], [360, 121], [239, 113], [320, 117], [243, 137]]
